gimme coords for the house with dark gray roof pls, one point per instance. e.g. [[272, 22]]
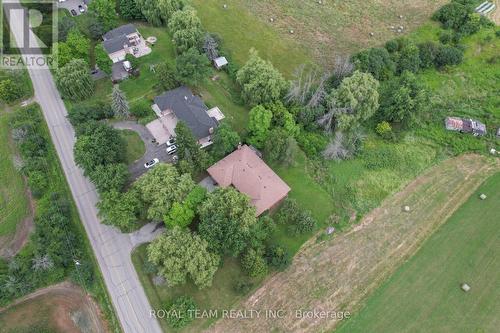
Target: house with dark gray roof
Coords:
[[122, 40], [181, 104]]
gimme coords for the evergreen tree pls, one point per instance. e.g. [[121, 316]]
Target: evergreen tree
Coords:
[[119, 103]]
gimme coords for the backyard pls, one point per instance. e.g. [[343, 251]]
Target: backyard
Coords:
[[426, 289]]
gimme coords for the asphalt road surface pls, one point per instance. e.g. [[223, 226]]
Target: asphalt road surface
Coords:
[[112, 248]]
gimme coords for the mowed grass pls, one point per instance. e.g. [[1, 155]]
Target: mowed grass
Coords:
[[218, 297], [13, 201], [424, 295], [320, 31], [241, 30], [135, 146]]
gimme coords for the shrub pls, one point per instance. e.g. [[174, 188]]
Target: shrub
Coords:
[[384, 129], [427, 54], [376, 61], [10, 90], [446, 36], [243, 287], [312, 143], [181, 312], [448, 55], [277, 257], [304, 224], [253, 264], [37, 181], [141, 109], [83, 113]]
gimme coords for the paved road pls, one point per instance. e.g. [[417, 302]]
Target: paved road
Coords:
[[153, 150], [112, 248]]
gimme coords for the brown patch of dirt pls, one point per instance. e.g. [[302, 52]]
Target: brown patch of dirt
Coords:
[[66, 309], [338, 274], [495, 15]]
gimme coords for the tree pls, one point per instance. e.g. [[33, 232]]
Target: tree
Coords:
[[64, 26], [110, 177], [182, 214], [180, 254], [260, 81], [226, 221], [120, 209], [448, 55], [184, 308], [225, 140], [166, 76], [161, 187], [188, 148], [356, 100], [10, 90], [192, 67], [100, 144], [210, 46], [376, 61], [408, 58], [77, 46], [283, 118], [130, 10], [185, 27], [277, 257], [102, 59], [159, 12], [254, 264], [281, 148], [91, 26], [119, 103], [74, 80], [106, 13], [259, 124], [403, 99], [427, 54], [83, 113]]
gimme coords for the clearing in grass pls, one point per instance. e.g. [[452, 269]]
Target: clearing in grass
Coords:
[[135, 146], [425, 292]]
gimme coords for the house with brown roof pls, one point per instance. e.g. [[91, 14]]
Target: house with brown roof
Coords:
[[249, 174]]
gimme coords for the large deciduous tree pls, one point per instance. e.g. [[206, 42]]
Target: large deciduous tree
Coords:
[[226, 221], [354, 101], [76, 46], [161, 187], [225, 140], [106, 13], [260, 81], [192, 67], [74, 80], [376, 61], [185, 27], [259, 124], [180, 254], [100, 144], [130, 10], [110, 177], [120, 209]]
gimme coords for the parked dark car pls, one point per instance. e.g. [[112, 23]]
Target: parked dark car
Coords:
[[73, 12]]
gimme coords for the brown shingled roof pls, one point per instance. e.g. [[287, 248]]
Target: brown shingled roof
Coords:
[[244, 170]]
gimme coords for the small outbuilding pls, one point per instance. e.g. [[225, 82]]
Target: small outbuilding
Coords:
[[482, 196], [465, 287], [220, 62]]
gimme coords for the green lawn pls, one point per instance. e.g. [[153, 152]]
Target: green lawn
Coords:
[[241, 30], [424, 295], [135, 146], [220, 296], [13, 201]]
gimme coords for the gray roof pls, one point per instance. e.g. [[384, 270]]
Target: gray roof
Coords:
[[187, 108], [123, 30], [114, 40]]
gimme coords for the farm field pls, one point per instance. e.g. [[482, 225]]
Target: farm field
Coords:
[[62, 308], [339, 273], [321, 31], [425, 291]]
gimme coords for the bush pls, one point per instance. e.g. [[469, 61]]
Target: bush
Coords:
[[446, 36], [141, 109], [312, 143], [253, 264], [427, 54], [384, 129], [299, 221], [304, 224], [37, 182], [181, 312], [448, 55], [376, 61], [277, 257], [243, 287], [10, 90], [83, 113]]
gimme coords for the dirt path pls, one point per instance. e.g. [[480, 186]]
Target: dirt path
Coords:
[[70, 310], [338, 274]]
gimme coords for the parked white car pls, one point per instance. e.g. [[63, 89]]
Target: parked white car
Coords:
[[171, 142], [151, 163], [171, 149]]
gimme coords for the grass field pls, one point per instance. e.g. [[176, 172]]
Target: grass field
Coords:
[[13, 200], [321, 31], [338, 274], [135, 146], [424, 294]]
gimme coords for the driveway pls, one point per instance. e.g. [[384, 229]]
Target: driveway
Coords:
[[72, 4], [111, 248], [153, 150]]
